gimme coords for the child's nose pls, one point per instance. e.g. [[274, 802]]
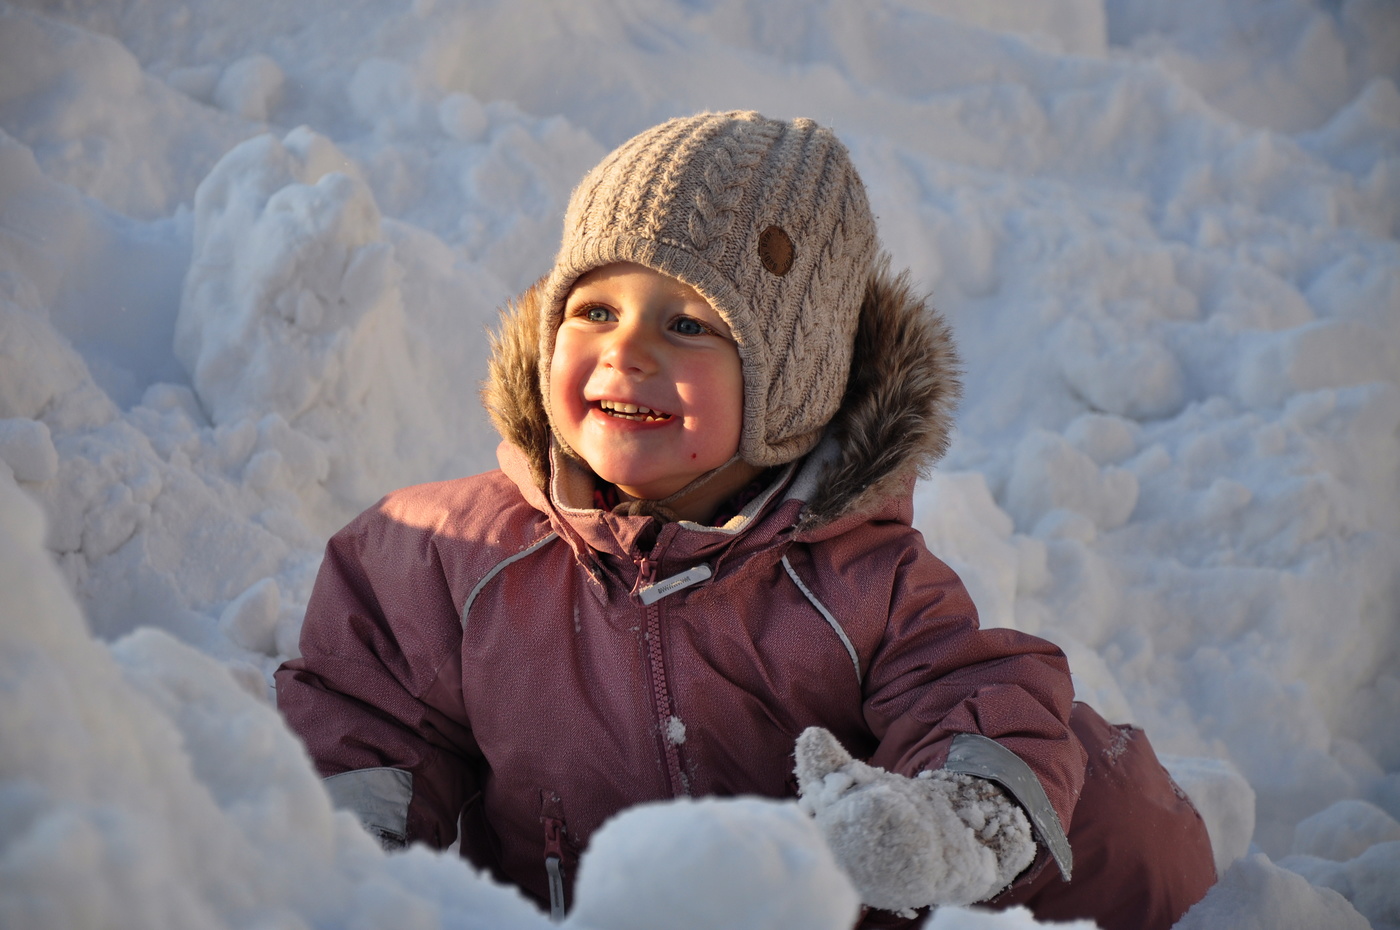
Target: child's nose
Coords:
[[630, 350]]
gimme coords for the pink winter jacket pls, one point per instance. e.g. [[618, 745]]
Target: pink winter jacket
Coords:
[[493, 652]]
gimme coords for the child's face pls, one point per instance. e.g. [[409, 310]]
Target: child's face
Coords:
[[634, 340]]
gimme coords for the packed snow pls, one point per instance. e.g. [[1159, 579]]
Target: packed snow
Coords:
[[248, 256]]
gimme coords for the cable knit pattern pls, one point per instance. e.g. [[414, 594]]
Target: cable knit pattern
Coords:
[[690, 198]]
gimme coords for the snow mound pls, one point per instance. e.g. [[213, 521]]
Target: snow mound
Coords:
[[1344, 830], [1367, 881], [156, 792], [1255, 894], [712, 863]]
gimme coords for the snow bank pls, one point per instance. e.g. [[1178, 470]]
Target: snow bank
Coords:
[[144, 786], [249, 252]]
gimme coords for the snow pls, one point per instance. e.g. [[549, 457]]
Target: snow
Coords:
[[648, 861], [1344, 830], [249, 253], [1256, 894], [1224, 800]]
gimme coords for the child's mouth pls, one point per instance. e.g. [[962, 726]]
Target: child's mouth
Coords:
[[634, 412]]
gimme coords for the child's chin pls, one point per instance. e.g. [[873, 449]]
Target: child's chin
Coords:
[[647, 492], [646, 487]]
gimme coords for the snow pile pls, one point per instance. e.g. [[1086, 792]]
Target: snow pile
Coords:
[[249, 253], [142, 786], [1285, 65], [648, 861], [1257, 895], [1352, 847]]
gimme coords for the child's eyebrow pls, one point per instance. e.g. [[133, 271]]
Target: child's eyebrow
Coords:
[[582, 296]]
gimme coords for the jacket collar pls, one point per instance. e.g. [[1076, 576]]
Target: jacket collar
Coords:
[[568, 502], [894, 422]]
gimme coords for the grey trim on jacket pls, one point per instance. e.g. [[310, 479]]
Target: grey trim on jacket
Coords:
[[379, 797], [972, 754]]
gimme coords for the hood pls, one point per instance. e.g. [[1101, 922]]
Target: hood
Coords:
[[894, 422]]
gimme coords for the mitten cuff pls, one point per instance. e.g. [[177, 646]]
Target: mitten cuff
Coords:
[[996, 822], [971, 754]]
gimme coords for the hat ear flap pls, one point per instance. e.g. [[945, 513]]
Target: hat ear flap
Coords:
[[896, 417], [512, 394]]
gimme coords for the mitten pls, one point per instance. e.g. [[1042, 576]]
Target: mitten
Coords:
[[940, 838]]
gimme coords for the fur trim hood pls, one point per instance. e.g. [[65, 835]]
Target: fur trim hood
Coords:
[[894, 422]]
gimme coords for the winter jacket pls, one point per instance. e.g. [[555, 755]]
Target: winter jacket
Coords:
[[496, 653]]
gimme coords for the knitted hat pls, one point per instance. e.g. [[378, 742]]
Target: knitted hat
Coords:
[[769, 222]]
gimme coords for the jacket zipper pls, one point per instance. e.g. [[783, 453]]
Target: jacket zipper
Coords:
[[660, 692], [555, 832], [554, 866]]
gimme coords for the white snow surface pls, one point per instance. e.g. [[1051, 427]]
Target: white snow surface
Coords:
[[248, 256]]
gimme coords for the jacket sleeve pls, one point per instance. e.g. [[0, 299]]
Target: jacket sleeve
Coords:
[[376, 694], [942, 693]]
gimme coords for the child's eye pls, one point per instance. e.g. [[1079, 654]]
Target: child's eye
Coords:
[[596, 314], [688, 327]]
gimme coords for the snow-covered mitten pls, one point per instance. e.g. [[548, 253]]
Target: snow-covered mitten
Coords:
[[940, 838]]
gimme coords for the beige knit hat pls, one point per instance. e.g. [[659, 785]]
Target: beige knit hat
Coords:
[[769, 222]]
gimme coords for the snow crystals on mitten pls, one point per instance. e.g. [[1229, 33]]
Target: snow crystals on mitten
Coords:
[[940, 838]]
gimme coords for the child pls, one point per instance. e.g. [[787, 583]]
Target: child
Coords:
[[694, 574]]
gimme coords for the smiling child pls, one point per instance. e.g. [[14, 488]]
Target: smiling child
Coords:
[[694, 573], [647, 388]]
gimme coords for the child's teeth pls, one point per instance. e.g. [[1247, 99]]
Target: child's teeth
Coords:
[[634, 410]]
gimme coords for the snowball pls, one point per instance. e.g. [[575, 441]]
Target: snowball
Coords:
[[698, 865], [1344, 830]]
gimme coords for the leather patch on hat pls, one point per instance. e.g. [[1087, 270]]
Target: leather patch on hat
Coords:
[[775, 250]]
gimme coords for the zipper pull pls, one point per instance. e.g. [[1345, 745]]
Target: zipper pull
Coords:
[[553, 866], [652, 593]]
